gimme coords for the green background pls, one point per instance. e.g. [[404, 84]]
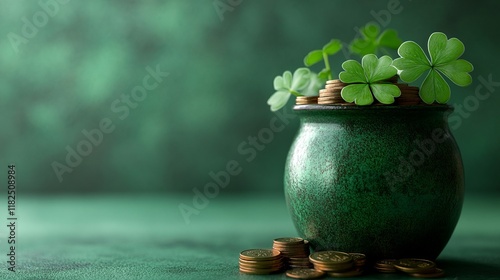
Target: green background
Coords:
[[221, 68], [116, 215]]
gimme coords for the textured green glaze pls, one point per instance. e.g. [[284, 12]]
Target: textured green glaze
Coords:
[[387, 181]]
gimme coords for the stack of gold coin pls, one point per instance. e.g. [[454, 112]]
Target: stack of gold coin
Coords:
[[331, 93], [419, 268], [303, 100], [295, 251], [409, 95], [261, 261], [359, 259], [337, 264], [386, 266], [299, 262]]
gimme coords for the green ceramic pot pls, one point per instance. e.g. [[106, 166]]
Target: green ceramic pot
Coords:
[[386, 181]]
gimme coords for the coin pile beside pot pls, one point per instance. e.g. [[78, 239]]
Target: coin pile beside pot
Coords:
[[292, 254]]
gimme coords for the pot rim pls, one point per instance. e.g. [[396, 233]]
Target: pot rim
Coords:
[[317, 107]]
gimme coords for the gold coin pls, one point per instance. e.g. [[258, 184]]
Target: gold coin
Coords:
[[337, 81], [322, 92], [288, 240], [326, 91], [412, 265], [300, 266], [358, 258], [260, 254], [437, 272], [334, 268], [324, 98], [261, 263], [335, 103], [350, 273], [306, 98], [331, 95], [333, 88], [304, 273], [330, 257]]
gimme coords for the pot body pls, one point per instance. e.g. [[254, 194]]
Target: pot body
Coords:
[[387, 181]]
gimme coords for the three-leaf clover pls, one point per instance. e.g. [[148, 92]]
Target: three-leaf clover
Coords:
[[444, 60], [288, 84], [368, 80], [316, 56], [371, 41]]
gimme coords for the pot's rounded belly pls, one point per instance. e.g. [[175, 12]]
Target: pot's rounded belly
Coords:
[[388, 192]]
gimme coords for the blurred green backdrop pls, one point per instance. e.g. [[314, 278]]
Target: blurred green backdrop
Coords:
[[65, 63]]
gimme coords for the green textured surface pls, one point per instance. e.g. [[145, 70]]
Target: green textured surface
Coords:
[[144, 237], [384, 180], [91, 53]]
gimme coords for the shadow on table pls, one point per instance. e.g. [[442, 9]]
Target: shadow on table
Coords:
[[460, 269]]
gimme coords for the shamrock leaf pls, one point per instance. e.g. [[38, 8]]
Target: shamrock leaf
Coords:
[[368, 78], [412, 63], [357, 93], [371, 42], [316, 56], [316, 82], [288, 84], [444, 54], [353, 73]]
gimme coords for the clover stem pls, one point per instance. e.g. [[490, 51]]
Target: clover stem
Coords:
[[327, 66], [296, 93]]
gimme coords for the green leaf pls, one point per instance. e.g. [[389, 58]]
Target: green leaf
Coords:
[[409, 70], [442, 50], [353, 73], [324, 74], [314, 85], [278, 100], [332, 47], [444, 55], [370, 30], [413, 62], [357, 93], [313, 58], [370, 41], [278, 83], [300, 79], [385, 93], [377, 69], [457, 72], [362, 46], [412, 51], [389, 38], [433, 88], [287, 79]]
